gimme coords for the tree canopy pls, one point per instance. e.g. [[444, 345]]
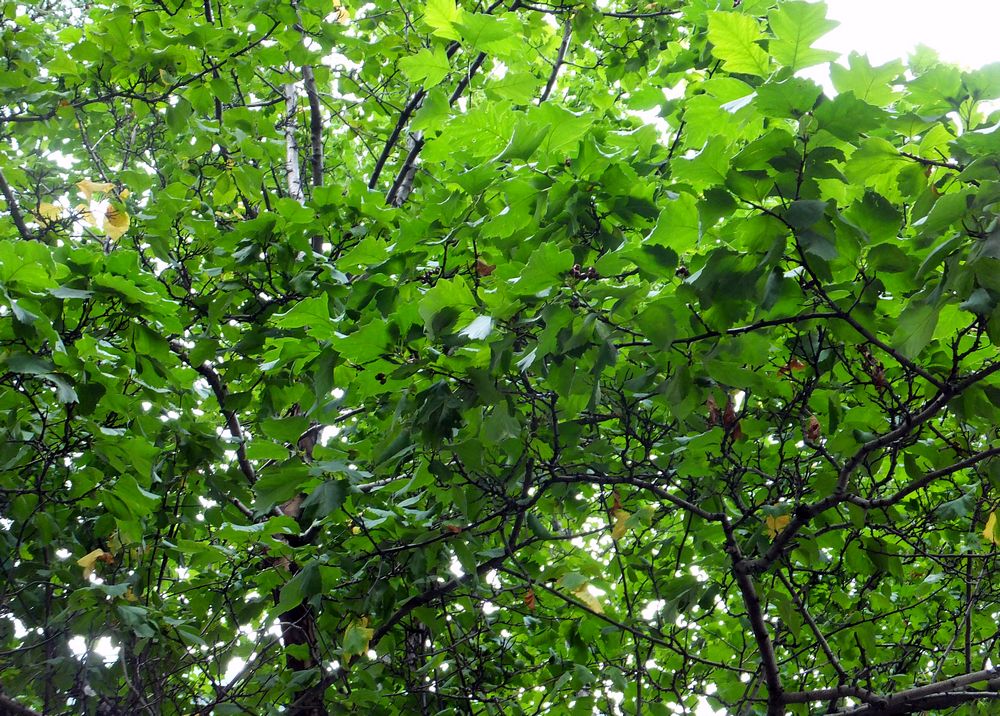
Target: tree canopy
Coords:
[[514, 358]]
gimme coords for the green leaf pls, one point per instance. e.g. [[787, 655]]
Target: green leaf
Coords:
[[304, 584], [308, 313], [876, 163], [657, 324], [543, 271], [278, 485], [441, 16], [526, 139], [537, 528], [357, 638], [874, 85], [804, 214], [735, 39], [915, 328], [957, 508], [427, 67], [324, 499], [796, 26], [707, 167], [489, 33], [447, 297], [847, 117], [980, 302], [137, 500], [679, 226], [518, 87], [792, 97]]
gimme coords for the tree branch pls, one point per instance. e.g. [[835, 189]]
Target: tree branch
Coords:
[[642, 484], [439, 591], [232, 420], [739, 330], [315, 125], [924, 481], [933, 695], [805, 513], [15, 211], [414, 103], [755, 613], [390, 143], [292, 177], [560, 58], [820, 639], [10, 707], [402, 185]]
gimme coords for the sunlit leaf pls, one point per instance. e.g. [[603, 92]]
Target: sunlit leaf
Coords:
[[88, 188], [89, 561], [116, 222], [990, 531], [776, 524], [797, 25], [735, 38], [620, 526], [48, 212], [584, 595]]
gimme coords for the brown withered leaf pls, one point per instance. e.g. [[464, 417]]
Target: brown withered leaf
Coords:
[[793, 365], [713, 411], [814, 431], [729, 415]]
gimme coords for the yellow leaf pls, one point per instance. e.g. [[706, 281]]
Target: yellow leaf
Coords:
[[88, 561], [776, 524], [343, 17], [89, 188], [357, 637], [620, 528], [116, 222], [124, 194], [86, 215], [589, 600], [130, 595], [990, 531], [49, 212]]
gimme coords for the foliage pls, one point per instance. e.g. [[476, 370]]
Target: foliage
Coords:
[[513, 359]]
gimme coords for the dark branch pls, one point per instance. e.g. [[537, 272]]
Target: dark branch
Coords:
[[560, 58], [15, 211]]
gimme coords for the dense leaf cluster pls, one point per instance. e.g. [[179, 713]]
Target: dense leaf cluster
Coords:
[[510, 358]]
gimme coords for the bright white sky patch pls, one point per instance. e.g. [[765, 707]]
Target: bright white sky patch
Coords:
[[962, 32], [233, 669]]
